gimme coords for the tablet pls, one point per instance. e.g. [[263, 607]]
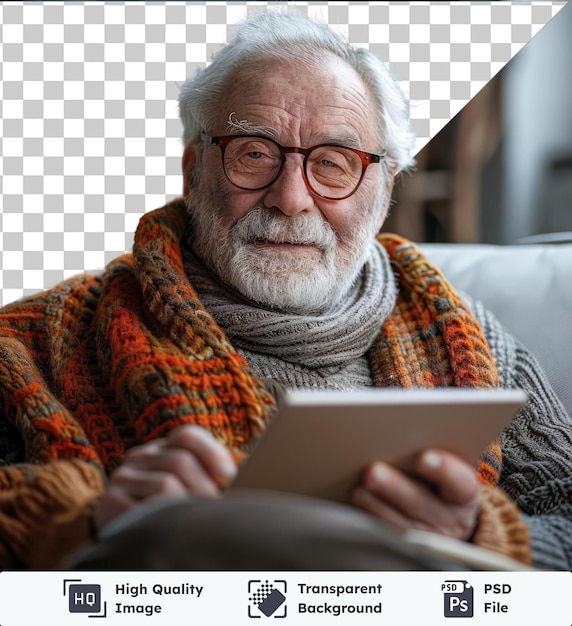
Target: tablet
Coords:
[[320, 441]]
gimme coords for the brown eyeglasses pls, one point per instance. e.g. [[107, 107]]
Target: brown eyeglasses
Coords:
[[254, 162]]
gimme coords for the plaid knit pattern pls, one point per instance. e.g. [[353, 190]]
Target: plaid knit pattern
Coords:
[[431, 339], [101, 363]]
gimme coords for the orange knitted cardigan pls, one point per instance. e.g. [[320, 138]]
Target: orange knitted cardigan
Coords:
[[101, 363]]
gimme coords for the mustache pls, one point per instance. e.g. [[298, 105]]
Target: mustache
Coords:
[[263, 224]]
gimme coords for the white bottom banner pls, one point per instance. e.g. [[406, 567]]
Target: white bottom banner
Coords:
[[250, 598]]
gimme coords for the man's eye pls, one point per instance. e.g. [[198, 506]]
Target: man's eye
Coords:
[[328, 163], [255, 155]]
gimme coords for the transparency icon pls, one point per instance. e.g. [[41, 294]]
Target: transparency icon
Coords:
[[267, 597]]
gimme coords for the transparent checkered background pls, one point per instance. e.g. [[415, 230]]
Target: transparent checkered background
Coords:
[[90, 136]]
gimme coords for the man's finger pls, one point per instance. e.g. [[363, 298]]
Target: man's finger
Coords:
[[455, 480], [412, 499], [214, 457], [138, 484], [374, 505], [181, 464]]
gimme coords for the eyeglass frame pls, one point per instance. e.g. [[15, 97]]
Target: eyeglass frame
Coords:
[[222, 141]]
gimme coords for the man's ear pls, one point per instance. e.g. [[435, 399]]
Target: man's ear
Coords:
[[189, 161]]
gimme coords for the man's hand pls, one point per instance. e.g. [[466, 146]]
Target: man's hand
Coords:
[[189, 460], [442, 495]]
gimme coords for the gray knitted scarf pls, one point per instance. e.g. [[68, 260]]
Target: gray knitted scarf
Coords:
[[305, 350]]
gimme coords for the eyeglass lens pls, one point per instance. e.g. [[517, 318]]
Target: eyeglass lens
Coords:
[[253, 163]]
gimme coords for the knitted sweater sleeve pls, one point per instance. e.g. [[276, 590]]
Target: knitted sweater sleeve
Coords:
[[536, 449], [46, 501]]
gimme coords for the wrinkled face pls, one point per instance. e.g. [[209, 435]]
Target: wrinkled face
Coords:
[[283, 247]]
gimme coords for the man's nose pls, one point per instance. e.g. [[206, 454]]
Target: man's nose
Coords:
[[289, 193]]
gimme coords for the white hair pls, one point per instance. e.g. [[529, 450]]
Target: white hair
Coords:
[[291, 35]]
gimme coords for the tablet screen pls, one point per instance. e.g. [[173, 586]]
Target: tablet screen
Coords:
[[320, 441]]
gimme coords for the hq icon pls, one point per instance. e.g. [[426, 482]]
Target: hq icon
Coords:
[[458, 598], [84, 598]]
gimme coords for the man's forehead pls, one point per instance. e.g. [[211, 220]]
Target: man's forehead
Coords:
[[326, 100]]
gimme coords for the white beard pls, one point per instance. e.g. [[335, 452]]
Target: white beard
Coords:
[[304, 279]]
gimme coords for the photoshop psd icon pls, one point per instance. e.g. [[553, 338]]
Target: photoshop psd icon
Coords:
[[458, 598], [267, 598]]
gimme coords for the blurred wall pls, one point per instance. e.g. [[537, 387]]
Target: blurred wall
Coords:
[[536, 158]]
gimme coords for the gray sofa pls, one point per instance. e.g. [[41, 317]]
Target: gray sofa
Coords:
[[528, 288]]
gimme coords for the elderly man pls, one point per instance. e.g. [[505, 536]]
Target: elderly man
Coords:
[[156, 375]]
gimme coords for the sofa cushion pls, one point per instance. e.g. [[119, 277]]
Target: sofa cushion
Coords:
[[529, 289]]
